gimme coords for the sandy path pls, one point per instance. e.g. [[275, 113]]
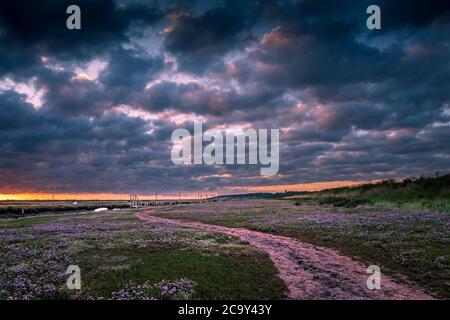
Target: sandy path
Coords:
[[310, 272]]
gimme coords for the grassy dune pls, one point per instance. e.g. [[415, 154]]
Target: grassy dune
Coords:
[[424, 193]]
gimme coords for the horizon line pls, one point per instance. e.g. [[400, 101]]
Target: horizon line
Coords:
[[299, 187]]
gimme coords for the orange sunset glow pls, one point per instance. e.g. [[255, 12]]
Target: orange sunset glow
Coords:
[[313, 186], [90, 196]]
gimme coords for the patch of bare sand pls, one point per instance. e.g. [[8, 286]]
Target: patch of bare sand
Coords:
[[310, 272]]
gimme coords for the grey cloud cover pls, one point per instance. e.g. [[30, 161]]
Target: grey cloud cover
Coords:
[[351, 103]]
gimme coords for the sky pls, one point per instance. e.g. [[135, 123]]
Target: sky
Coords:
[[91, 111]]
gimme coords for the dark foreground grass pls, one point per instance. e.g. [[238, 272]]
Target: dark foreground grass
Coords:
[[15, 208], [410, 246], [32, 220], [248, 276], [119, 255]]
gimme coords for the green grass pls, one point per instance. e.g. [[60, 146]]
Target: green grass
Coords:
[[217, 277], [46, 206], [424, 193], [38, 219], [29, 221], [343, 202]]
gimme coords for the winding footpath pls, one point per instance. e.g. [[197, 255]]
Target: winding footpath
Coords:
[[309, 272]]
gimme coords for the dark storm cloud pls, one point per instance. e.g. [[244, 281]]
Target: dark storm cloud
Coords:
[[416, 14], [328, 56], [130, 68], [40, 26], [198, 40], [70, 96], [42, 130], [125, 75], [15, 113], [68, 150], [360, 116], [351, 103], [201, 99]]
